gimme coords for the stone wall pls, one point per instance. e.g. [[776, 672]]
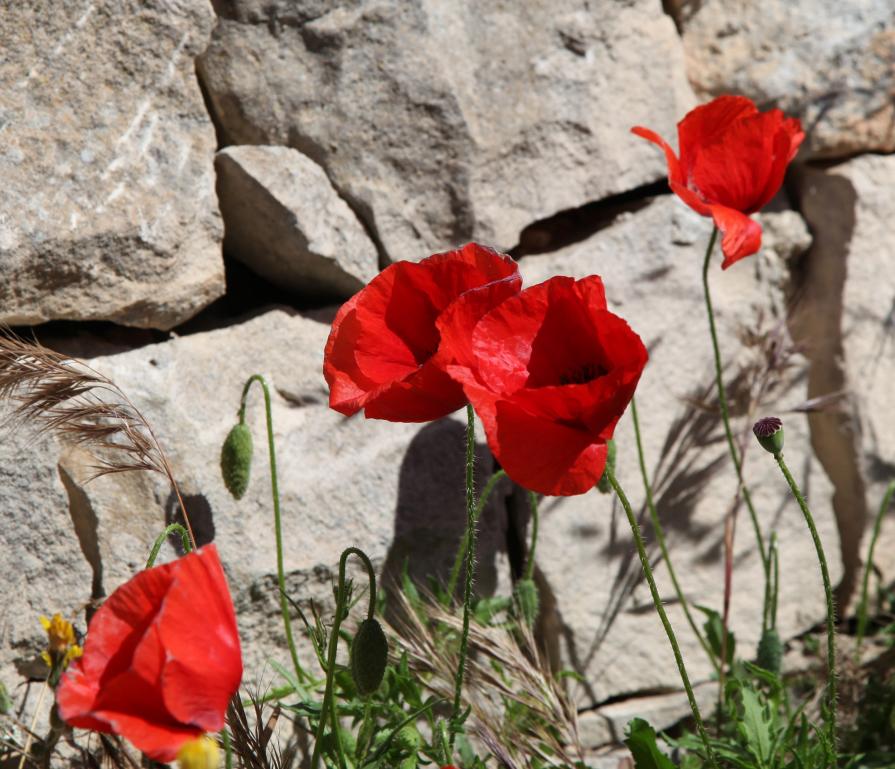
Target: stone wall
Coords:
[[190, 190]]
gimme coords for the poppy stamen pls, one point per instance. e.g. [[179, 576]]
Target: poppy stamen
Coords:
[[583, 374]]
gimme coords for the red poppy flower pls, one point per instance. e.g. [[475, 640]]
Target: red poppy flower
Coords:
[[383, 353], [732, 162], [162, 658], [549, 371]]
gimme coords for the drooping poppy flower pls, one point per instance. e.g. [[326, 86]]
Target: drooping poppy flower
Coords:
[[732, 161], [162, 658], [384, 352], [550, 372]]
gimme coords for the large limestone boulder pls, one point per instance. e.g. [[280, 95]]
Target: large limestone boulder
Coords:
[[284, 220], [830, 63], [846, 320], [108, 208], [446, 122], [603, 623], [396, 491]]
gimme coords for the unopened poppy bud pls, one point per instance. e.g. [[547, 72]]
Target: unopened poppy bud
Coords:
[[528, 599], [236, 460], [369, 657], [769, 432], [770, 651], [603, 484], [200, 753], [408, 740]]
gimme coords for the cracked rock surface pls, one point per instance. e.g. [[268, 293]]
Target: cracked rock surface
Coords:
[[446, 122], [108, 208]]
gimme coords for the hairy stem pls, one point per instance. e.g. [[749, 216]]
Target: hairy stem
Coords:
[[277, 521], [830, 713], [454, 577], [868, 566], [530, 563], [660, 538], [471, 527], [731, 444], [328, 708], [660, 609]]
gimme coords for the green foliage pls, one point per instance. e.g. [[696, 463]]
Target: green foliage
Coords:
[[714, 632], [641, 741]]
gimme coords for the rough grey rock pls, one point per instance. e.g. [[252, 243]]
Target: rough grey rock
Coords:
[[830, 63], [445, 122], [108, 208], [605, 627], [848, 311], [394, 490], [283, 218]]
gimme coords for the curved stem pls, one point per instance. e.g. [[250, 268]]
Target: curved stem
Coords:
[[868, 565], [471, 526], [328, 707], [660, 609], [828, 590], [530, 563], [660, 537], [454, 577], [722, 401], [184, 538], [277, 523]]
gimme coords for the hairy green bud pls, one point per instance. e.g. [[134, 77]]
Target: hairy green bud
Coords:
[[408, 739], [236, 460], [369, 657], [528, 600], [770, 651]]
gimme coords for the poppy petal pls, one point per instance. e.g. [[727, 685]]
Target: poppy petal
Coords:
[[382, 341], [742, 235], [203, 660], [543, 455], [707, 123], [674, 166], [786, 143]]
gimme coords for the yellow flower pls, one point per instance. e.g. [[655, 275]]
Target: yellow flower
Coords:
[[61, 642], [200, 753]]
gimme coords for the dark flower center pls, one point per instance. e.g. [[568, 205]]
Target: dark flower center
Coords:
[[582, 374]]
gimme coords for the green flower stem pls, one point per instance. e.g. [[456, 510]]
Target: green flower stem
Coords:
[[454, 577], [868, 565], [828, 590], [660, 609], [775, 561], [722, 401], [530, 563], [660, 537], [277, 522], [184, 538], [328, 708], [772, 586], [471, 526]]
